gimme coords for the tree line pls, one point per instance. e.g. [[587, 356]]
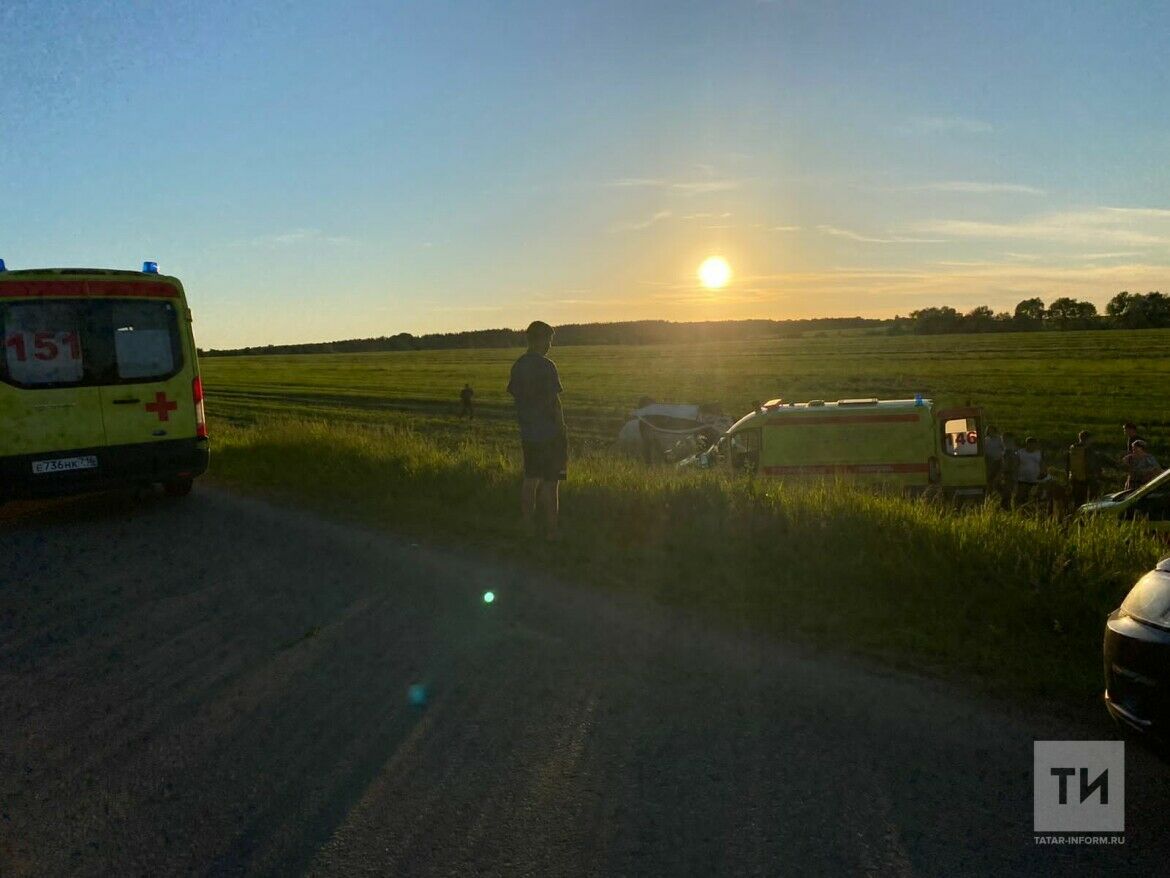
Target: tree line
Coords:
[[1125, 311], [632, 332]]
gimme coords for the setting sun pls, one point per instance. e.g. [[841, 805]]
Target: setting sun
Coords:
[[714, 273]]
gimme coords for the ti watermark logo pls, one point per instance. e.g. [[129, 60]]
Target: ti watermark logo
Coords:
[[1078, 792]]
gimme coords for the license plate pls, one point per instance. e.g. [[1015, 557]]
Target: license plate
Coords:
[[64, 464]]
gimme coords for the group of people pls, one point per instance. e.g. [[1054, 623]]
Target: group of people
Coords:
[[1020, 474]]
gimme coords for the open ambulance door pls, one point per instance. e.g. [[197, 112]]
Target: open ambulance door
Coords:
[[963, 466]]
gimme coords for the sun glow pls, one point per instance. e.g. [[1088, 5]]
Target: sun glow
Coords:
[[714, 273]]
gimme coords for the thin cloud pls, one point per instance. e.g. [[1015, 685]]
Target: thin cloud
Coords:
[[292, 238], [976, 188], [877, 291], [599, 303], [946, 125], [682, 187], [867, 239], [642, 224], [1000, 285], [462, 308], [1127, 227], [697, 295], [1076, 256], [784, 228], [1146, 212], [695, 216], [1036, 231], [585, 296]]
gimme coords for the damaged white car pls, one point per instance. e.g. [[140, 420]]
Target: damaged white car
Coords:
[[659, 432]]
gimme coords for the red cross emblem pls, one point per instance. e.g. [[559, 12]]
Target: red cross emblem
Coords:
[[162, 406]]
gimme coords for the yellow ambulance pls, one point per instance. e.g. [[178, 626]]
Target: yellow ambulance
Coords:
[[906, 444], [99, 382]]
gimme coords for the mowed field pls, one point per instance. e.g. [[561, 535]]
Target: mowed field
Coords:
[[1017, 599], [1047, 384]]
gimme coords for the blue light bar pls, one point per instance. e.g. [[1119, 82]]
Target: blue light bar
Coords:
[[150, 268]]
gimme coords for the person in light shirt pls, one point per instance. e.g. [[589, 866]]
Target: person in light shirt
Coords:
[[1030, 471]]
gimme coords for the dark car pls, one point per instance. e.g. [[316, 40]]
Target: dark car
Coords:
[[1137, 655]]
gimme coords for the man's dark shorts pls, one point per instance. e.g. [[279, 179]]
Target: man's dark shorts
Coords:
[[547, 460]]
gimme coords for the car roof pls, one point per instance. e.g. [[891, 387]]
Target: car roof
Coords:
[[94, 283], [778, 408], [75, 272]]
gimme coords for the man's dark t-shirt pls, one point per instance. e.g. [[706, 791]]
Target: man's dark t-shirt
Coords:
[[535, 385]]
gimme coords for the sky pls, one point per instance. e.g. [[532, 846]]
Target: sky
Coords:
[[326, 170]]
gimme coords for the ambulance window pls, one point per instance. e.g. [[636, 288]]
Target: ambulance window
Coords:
[[42, 344], [145, 340], [961, 437]]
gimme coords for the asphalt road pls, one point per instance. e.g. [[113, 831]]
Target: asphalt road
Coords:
[[218, 686]]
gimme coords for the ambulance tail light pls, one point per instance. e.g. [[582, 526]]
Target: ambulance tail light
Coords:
[[933, 471], [200, 416]]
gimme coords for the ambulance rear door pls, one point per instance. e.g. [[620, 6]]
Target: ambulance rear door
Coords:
[[47, 399], [147, 393], [960, 439]]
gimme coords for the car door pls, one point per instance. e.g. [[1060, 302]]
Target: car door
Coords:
[[47, 399], [146, 395]]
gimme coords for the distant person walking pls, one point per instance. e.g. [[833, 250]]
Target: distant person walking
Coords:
[[1140, 465], [466, 395], [535, 385], [1084, 469]]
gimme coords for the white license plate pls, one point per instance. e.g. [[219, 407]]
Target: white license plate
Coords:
[[64, 464]]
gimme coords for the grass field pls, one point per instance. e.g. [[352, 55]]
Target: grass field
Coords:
[[1014, 602], [1050, 384]]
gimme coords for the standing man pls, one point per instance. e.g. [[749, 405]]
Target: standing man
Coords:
[[465, 396], [536, 388]]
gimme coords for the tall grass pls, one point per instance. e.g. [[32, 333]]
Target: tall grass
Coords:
[[1013, 601]]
